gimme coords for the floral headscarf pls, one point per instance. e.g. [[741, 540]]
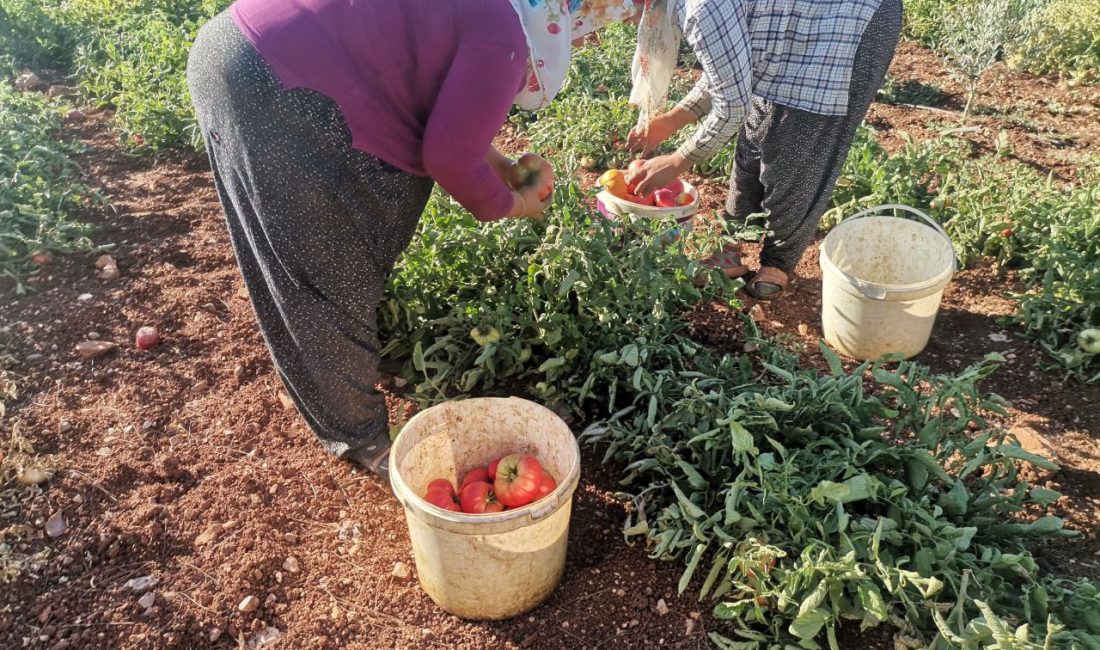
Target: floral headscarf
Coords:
[[654, 60], [550, 27]]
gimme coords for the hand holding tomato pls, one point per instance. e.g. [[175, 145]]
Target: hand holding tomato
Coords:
[[656, 173]]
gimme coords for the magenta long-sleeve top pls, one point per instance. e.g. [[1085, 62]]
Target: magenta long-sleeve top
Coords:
[[424, 85]]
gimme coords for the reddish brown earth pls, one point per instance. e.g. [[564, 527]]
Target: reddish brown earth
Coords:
[[183, 464]]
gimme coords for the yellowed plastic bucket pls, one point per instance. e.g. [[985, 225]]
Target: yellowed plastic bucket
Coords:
[[491, 566], [882, 282]]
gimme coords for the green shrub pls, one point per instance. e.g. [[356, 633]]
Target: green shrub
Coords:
[[796, 499], [31, 36], [40, 185], [1063, 37]]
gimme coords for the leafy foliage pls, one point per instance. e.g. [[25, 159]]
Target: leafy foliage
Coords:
[[40, 185], [796, 499]]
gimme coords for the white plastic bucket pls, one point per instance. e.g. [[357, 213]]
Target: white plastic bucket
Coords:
[[882, 281], [490, 566]]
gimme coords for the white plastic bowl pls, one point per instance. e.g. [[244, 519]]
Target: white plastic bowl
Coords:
[[612, 206]]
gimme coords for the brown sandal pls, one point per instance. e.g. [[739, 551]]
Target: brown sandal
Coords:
[[768, 283]]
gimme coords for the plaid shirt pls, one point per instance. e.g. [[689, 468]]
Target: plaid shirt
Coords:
[[796, 53]]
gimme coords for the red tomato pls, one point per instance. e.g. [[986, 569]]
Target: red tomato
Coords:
[[677, 186], [441, 498], [665, 198], [146, 338], [517, 481], [546, 486], [478, 498], [441, 484], [493, 469], [475, 475]]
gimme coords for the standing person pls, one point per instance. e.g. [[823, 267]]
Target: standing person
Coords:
[[795, 77], [327, 123]]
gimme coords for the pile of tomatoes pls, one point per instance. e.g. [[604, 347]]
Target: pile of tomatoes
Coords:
[[672, 195], [509, 482]]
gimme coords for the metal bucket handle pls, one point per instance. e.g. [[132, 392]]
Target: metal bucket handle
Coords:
[[877, 293]]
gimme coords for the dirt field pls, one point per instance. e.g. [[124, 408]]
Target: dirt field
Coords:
[[184, 464]]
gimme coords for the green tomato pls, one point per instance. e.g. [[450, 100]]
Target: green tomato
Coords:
[[484, 335], [1089, 340]]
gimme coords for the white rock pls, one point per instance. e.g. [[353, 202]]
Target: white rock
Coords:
[[64, 426], [147, 600], [265, 637], [249, 604], [143, 583], [55, 525], [401, 571], [662, 607], [291, 564], [84, 297]]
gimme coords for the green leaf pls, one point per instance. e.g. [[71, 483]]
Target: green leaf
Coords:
[[693, 563], [808, 625], [693, 511], [741, 439], [1043, 496], [954, 501], [567, 284], [871, 599], [1019, 453]]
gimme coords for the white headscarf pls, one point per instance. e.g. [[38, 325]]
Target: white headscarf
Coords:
[[654, 59], [550, 27]]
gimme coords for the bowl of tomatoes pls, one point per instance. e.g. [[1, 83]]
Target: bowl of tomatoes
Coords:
[[487, 487], [679, 199]]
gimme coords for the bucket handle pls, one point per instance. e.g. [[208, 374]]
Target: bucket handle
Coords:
[[878, 293]]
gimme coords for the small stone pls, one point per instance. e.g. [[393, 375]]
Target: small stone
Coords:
[[93, 336], [689, 626], [750, 347], [84, 297], [104, 452], [146, 425], [94, 349], [285, 400], [803, 329], [209, 535], [401, 571], [242, 294], [290, 538], [143, 583], [238, 373], [214, 634], [662, 607], [249, 604], [103, 261], [55, 525], [57, 90], [291, 564], [33, 358], [109, 274], [147, 600], [757, 313], [27, 81], [265, 637]]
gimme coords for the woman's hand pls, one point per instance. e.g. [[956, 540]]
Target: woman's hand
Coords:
[[661, 128], [656, 173], [526, 203]]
